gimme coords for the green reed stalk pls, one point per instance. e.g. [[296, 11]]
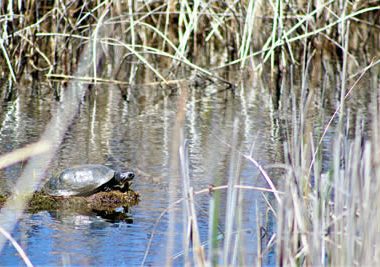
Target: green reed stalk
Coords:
[[247, 32]]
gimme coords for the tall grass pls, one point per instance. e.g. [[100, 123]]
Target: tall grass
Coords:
[[45, 39], [329, 217], [327, 208]]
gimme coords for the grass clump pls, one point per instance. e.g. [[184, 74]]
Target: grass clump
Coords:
[[330, 217]]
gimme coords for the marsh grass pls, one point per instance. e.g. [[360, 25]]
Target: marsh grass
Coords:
[[329, 217], [327, 208], [44, 39], [324, 215]]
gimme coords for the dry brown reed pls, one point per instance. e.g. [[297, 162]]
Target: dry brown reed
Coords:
[[43, 39]]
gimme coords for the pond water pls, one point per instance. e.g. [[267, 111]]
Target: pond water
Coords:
[[135, 133], [139, 134]]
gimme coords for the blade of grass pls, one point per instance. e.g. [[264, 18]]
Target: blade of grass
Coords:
[[19, 249], [7, 60]]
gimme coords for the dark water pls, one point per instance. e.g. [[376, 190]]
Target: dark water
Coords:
[[138, 134]]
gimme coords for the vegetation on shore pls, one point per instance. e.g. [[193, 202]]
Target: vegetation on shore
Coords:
[[326, 206], [44, 39]]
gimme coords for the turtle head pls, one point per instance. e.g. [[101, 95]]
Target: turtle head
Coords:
[[123, 177]]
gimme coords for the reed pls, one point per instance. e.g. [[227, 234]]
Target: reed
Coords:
[[45, 39], [324, 216]]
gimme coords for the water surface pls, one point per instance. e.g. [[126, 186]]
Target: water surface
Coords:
[[138, 134]]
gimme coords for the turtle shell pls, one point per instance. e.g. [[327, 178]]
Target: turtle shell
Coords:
[[79, 181]]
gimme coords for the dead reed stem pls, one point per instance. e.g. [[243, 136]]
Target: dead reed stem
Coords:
[[19, 249]]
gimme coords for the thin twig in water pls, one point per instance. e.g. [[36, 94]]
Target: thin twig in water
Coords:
[[19, 249]]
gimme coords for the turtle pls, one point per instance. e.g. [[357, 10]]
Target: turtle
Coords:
[[85, 180]]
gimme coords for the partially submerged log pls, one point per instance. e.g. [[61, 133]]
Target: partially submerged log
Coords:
[[101, 201]]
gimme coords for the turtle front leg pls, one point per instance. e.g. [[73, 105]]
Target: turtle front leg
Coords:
[[107, 189], [125, 187]]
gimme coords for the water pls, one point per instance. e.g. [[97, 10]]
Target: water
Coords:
[[138, 134]]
